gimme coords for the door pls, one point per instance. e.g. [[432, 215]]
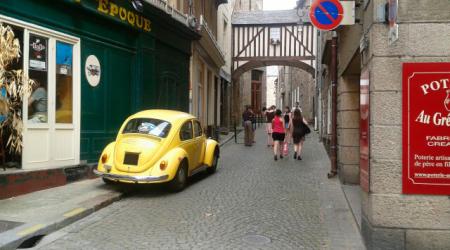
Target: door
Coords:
[[200, 143], [256, 96], [188, 143], [51, 135]]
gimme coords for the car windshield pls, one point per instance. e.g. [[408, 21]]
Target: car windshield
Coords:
[[148, 126]]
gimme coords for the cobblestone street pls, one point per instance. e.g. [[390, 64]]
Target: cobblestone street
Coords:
[[252, 202]]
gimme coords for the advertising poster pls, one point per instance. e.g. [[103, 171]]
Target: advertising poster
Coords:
[[38, 53], [426, 128]]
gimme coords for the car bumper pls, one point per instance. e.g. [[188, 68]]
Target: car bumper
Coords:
[[135, 179]]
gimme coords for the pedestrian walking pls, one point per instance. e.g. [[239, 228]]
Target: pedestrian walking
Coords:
[[247, 117], [287, 123], [299, 130], [270, 114], [253, 118], [297, 106], [278, 134]]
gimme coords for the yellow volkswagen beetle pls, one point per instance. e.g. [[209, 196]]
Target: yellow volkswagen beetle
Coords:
[[157, 146]]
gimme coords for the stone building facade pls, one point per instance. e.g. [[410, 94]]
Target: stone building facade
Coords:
[[390, 219], [224, 15], [296, 85], [252, 84]]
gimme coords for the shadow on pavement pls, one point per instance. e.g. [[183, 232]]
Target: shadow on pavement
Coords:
[[153, 190]]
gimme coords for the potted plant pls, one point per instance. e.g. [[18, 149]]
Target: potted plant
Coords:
[[14, 87]]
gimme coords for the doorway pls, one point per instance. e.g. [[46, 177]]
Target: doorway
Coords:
[[51, 114]]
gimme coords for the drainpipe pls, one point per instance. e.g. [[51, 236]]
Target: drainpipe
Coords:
[[333, 146]]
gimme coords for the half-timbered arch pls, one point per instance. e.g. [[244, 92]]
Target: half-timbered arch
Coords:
[[264, 38]]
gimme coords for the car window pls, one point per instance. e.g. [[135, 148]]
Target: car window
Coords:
[[197, 129], [148, 126], [186, 132]]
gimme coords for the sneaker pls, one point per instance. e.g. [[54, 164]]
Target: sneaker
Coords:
[[295, 155], [299, 158], [281, 156], [275, 158]]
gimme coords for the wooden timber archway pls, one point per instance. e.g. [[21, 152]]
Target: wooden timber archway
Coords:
[[266, 38], [270, 62]]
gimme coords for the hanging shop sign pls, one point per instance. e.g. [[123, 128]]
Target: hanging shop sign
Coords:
[[426, 128], [38, 53], [93, 70]]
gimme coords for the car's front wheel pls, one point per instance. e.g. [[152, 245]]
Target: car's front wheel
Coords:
[[215, 162], [179, 181]]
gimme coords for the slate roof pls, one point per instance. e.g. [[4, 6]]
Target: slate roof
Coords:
[[265, 17]]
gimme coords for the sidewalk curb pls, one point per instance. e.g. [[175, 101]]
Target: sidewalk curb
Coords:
[[226, 141], [14, 238], [229, 138]]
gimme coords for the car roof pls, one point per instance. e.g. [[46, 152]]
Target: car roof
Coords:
[[171, 116]]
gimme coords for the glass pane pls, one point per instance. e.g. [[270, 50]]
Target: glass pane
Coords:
[[148, 126], [198, 129], [186, 131], [37, 103], [64, 83]]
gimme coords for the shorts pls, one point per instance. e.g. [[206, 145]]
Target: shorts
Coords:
[[278, 136]]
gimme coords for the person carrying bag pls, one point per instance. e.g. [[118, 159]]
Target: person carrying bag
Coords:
[[300, 130]]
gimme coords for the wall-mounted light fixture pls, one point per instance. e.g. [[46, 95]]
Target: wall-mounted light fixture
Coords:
[[137, 5]]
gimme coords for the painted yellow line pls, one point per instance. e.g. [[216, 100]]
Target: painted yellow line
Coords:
[[75, 212], [30, 230]]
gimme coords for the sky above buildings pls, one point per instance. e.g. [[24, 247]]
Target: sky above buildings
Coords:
[[279, 4]]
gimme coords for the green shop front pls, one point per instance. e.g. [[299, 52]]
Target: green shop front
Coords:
[[94, 62]]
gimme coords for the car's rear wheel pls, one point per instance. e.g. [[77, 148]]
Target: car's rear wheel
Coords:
[[179, 181], [212, 169]]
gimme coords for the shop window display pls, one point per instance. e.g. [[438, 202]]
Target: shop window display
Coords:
[[38, 71], [64, 83]]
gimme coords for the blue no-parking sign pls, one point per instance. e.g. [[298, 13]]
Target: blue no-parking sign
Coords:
[[326, 14]]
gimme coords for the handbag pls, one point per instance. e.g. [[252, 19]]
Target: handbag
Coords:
[[285, 149], [306, 128]]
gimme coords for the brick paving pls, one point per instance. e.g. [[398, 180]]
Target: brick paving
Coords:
[[251, 202]]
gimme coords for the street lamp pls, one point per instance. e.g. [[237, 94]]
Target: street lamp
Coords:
[[137, 5]]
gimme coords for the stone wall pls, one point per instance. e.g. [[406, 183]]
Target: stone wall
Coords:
[[348, 119], [305, 83], [392, 220]]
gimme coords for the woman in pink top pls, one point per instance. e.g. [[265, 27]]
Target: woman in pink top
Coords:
[[278, 134]]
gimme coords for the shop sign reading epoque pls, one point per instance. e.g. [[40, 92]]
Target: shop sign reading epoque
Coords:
[[110, 8], [119, 13], [426, 128]]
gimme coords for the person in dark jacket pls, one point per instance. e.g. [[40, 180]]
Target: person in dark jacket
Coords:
[[247, 118], [298, 132]]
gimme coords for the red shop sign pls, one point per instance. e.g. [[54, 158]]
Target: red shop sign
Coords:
[[364, 132], [426, 128]]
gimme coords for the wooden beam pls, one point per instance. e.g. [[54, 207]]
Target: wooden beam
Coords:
[[269, 58]]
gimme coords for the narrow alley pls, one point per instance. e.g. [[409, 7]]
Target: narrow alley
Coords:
[[251, 202]]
